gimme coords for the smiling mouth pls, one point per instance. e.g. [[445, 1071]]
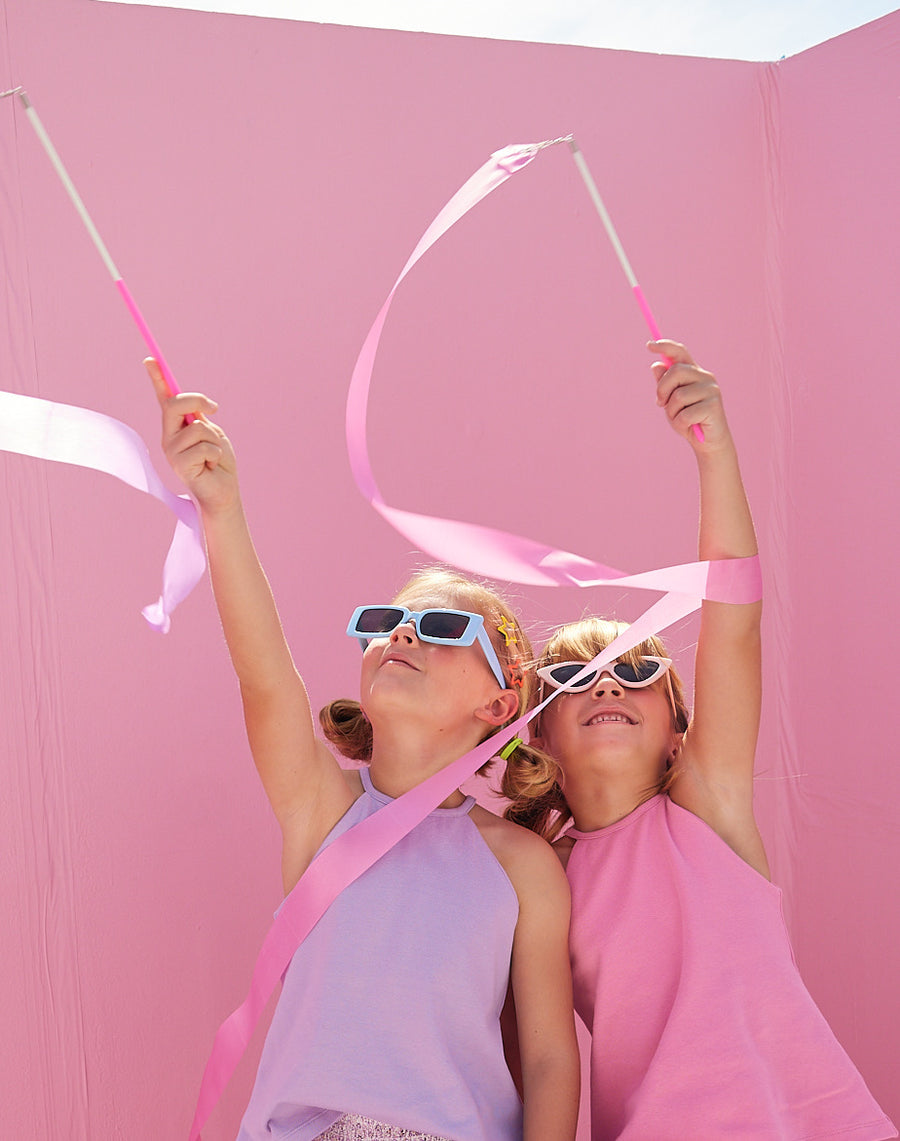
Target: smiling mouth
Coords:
[[610, 718]]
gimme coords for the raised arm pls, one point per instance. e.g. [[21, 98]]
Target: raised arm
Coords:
[[302, 780], [716, 761]]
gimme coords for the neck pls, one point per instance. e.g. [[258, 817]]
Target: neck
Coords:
[[598, 803], [404, 758]]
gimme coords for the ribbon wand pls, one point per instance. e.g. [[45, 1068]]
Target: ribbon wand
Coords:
[[92, 230], [620, 251]]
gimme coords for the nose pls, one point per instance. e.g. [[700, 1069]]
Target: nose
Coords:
[[404, 633], [606, 684]]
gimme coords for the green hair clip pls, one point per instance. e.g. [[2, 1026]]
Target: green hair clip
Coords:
[[507, 751]]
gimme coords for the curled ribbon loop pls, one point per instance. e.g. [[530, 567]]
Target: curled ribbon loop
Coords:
[[485, 550]]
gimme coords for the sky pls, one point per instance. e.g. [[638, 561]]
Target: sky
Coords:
[[725, 29]]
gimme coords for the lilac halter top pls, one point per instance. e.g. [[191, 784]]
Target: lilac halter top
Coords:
[[390, 1008]]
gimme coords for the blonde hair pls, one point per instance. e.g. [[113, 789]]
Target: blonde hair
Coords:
[[345, 724], [546, 811]]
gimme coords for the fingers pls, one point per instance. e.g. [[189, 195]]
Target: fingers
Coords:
[[176, 409], [688, 397], [688, 393], [681, 385], [157, 379], [674, 350], [191, 463], [200, 453], [192, 443], [681, 373]]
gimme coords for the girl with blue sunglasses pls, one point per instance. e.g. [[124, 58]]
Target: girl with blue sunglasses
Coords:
[[701, 1026], [389, 1021]]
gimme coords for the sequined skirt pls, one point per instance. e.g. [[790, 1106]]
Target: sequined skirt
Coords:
[[352, 1127]]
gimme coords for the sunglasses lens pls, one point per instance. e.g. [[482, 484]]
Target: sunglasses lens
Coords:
[[644, 671], [448, 625], [379, 620], [564, 673]]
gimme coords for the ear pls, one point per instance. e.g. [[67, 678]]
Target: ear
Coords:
[[677, 745], [500, 709]]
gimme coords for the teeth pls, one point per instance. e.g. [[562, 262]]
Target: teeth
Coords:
[[602, 717]]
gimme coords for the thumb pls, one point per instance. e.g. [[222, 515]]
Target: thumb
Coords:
[[157, 379]]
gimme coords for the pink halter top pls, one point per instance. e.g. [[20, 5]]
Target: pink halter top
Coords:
[[683, 971]]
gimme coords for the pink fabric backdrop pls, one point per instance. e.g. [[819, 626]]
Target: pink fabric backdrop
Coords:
[[259, 185]]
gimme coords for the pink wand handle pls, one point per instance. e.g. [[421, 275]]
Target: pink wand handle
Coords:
[[657, 336], [150, 341]]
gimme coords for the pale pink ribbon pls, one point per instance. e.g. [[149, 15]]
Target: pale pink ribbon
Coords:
[[67, 434], [482, 550]]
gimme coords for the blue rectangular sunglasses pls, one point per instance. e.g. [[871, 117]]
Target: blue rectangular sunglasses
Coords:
[[444, 627]]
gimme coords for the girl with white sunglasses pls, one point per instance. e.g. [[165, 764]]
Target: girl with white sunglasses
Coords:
[[683, 971], [389, 1021]]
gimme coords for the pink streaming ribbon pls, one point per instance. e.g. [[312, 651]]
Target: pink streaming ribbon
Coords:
[[482, 550], [485, 550]]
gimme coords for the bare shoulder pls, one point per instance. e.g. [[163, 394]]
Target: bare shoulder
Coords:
[[506, 839], [528, 860], [303, 833]]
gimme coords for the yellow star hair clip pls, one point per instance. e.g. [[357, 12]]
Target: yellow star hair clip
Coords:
[[508, 630]]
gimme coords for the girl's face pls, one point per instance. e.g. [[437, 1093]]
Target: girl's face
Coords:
[[611, 726], [450, 685]]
